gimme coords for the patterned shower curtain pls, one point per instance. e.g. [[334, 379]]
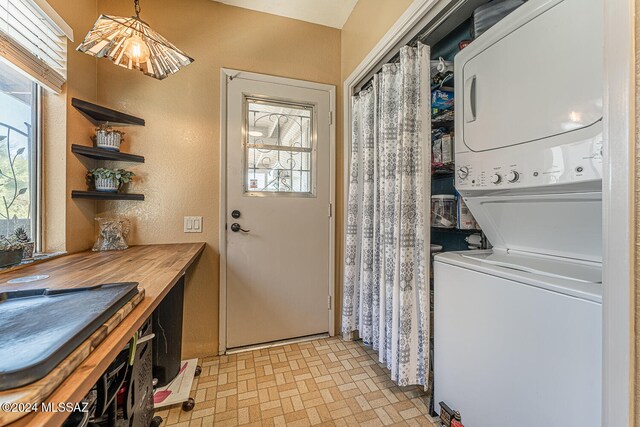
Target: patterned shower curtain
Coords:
[[386, 271]]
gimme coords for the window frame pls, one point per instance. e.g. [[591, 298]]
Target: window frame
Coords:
[[35, 161]]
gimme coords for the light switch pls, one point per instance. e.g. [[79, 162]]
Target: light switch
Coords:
[[193, 224]]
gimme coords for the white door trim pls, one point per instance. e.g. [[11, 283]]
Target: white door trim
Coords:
[[225, 75], [617, 185]]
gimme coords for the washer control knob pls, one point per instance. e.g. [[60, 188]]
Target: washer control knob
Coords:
[[463, 172], [513, 176], [496, 178]]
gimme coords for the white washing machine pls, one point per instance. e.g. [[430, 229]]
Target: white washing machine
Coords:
[[518, 339], [518, 329]]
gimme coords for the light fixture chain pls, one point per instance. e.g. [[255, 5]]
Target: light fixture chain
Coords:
[[136, 5]]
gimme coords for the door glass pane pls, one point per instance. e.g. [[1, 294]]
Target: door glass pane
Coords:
[[279, 148]]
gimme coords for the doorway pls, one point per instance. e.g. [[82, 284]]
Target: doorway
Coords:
[[277, 220]]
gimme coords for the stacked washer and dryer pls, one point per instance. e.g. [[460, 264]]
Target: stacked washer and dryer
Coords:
[[518, 329]]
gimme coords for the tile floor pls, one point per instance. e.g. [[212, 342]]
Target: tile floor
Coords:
[[322, 382]]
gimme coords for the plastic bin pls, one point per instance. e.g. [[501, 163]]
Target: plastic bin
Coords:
[[443, 211], [488, 15]]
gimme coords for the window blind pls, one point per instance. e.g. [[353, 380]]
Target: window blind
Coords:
[[35, 41]]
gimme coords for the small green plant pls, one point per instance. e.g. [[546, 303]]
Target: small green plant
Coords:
[[120, 176], [21, 235]]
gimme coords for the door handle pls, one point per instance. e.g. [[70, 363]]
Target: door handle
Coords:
[[235, 227], [470, 100]]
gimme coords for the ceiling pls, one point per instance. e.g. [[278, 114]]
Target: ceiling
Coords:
[[332, 13]]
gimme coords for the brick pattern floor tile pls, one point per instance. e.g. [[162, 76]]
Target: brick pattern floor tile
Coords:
[[326, 382]]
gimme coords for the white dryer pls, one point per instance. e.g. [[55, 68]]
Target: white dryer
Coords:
[[517, 329]]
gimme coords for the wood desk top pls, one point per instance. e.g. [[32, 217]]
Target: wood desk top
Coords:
[[156, 267]]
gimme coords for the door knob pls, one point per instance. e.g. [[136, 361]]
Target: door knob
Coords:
[[235, 227]]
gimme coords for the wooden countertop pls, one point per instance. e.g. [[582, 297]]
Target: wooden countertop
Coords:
[[156, 267]]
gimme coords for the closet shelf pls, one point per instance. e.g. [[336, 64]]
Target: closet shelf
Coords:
[[443, 119], [453, 230], [98, 195], [102, 154], [442, 171]]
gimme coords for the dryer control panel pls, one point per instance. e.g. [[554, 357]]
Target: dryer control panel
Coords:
[[530, 165]]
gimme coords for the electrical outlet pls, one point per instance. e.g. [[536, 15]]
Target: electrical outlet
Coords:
[[193, 224]]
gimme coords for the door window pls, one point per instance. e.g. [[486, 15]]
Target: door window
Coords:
[[280, 147]]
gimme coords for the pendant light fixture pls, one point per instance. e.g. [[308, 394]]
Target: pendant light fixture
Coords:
[[131, 43]]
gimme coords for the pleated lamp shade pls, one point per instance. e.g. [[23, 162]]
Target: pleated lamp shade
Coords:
[[131, 43]]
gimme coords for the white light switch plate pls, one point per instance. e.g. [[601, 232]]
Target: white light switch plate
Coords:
[[193, 224]]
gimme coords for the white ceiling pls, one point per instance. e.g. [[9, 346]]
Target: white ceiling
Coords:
[[332, 13]]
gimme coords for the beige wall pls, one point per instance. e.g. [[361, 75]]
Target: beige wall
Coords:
[[182, 114], [367, 24], [68, 223], [181, 138]]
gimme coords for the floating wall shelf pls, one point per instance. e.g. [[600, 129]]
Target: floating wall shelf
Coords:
[[98, 114], [98, 195], [102, 154]]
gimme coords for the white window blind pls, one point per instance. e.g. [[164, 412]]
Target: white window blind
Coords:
[[34, 38]]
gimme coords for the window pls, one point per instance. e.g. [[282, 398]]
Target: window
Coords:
[[279, 148], [19, 116], [33, 56], [33, 37]]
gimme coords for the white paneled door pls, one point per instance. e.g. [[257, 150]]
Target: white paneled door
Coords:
[[278, 213]]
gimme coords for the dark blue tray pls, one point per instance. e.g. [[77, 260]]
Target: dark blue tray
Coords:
[[40, 327]]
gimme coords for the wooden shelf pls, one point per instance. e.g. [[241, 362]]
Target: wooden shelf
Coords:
[[102, 154], [98, 114], [453, 230], [442, 171], [99, 195]]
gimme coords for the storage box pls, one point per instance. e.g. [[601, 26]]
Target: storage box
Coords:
[[446, 146], [488, 15], [436, 152], [443, 211], [441, 99], [465, 218]]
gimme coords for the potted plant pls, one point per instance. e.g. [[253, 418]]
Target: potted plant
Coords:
[[10, 252], [109, 180], [22, 238], [107, 138]]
